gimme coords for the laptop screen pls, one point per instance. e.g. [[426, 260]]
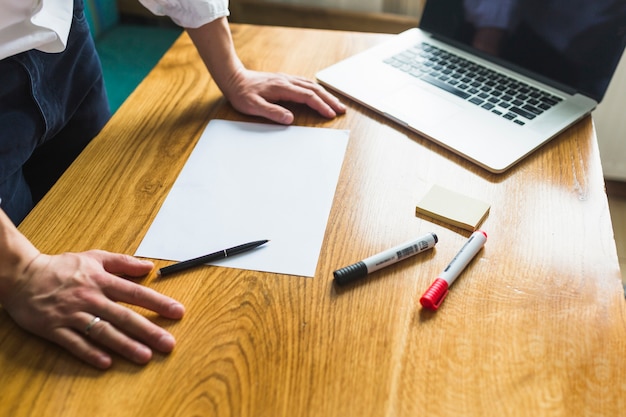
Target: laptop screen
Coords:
[[577, 43]]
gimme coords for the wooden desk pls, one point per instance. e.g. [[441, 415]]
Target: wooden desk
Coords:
[[535, 326]]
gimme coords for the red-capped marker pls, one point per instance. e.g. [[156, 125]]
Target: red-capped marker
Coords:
[[435, 294]]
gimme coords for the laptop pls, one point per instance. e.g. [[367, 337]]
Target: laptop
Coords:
[[490, 80]]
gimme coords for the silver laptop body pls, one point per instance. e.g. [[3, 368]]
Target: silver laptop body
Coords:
[[402, 81]]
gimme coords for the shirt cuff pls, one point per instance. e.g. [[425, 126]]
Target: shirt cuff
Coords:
[[189, 13]]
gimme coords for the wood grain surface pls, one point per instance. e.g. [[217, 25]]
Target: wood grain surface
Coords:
[[535, 326]]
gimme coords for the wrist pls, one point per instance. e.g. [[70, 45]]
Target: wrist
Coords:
[[215, 46], [16, 253]]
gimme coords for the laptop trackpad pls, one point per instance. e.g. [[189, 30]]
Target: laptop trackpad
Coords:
[[417, 106]]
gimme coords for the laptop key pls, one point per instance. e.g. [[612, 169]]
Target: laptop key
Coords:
[[551, 101], [446, 87], [523, 113], [532, 109]]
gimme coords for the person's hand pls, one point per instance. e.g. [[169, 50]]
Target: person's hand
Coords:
[[256, 93], [72, 300]]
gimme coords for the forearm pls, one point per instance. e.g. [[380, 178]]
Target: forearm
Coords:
[[16, 252], [215, 46]]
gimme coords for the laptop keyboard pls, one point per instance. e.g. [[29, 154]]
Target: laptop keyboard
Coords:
[[492, 91]]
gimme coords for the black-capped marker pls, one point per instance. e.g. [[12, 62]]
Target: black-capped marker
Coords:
[[389, 257]]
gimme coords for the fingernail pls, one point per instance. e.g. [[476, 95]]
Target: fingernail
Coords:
[[142, 354], [166, 343], [103, 361], [176, 311], [287, 118]]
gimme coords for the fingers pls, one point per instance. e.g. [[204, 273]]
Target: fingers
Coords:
[[270, 111], [105, 334], [129, 292], [119, 289], [128, 334], [300, 90], [257, 93], [103, 323], [118, 263], [265, 106], [317, 97], [80, 347]]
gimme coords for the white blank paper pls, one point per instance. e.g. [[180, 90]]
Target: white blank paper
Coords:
[[252, 181]]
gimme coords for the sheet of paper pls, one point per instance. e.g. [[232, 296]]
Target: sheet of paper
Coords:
[[252, 181]]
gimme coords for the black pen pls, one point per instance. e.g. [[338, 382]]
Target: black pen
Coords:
[[225, 253]]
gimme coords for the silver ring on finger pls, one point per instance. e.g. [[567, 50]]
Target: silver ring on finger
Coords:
[[92, 323]]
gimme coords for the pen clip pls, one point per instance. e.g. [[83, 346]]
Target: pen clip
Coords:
[[435, 294]]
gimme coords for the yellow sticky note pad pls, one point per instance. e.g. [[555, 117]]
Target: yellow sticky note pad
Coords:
[[453, 208]]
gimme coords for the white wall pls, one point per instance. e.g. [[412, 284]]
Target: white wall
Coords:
[[610, 121], [358, 5], [406, 7]]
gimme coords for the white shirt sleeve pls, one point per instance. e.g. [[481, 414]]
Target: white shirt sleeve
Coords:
[[188, 13], [42, 25]]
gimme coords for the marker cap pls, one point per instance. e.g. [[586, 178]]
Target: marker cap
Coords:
[[435, 294], [350, 273]]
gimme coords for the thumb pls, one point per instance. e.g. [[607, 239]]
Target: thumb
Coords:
[[263, 108], [277, 114]]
